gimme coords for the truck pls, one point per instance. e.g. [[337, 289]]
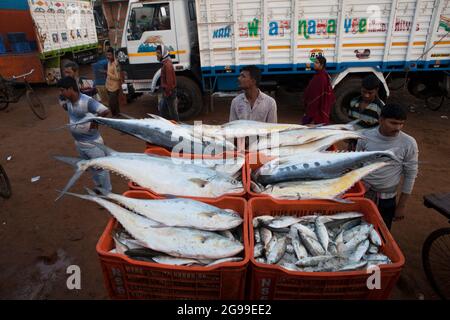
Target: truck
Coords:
[[44, 35], [401, 42]]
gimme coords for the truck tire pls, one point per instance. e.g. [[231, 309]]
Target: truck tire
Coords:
[[345, 92], [190, 100]]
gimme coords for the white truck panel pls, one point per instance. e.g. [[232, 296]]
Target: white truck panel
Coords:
[[286, 32]]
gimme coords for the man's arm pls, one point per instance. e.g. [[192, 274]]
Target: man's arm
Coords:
[[116, 75], [97, 108], [410, 170]]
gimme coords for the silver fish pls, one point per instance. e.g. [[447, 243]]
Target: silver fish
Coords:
[[227, 234], [375, 238], [166, 177], [257, 235], [362, 235], [174, 260], [316, 166], [261, 220], [266, 235], [231, 259], [258, 250], [290, 248], [177, 242], [276, 252], [302, 229], [360, 251], [373, 249], [300, 250], [180, 212], [313, 246], [312, 261], [282, 222], [159, 131], [353, 266], [322, 233]]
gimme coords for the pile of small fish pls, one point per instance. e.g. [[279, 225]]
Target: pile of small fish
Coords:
[[173, 231], [315, 243], [207, 178], [316, 175]]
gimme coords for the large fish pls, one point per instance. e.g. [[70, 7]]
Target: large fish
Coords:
[[159, 131], [316, 165], [163, 177], [228, 165], [246, 128], [329, 189], [177, 242], [293, 138], [180, 212], [314, 146]]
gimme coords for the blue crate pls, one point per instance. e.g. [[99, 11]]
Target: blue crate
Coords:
[[20, 47], [14, 37]]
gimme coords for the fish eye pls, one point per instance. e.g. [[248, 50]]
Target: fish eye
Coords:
[[305, 165], [316, 164]]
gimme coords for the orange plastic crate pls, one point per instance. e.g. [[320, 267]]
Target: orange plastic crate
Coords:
[[273, 282], [166, 153], [253, 161], [126, 278]]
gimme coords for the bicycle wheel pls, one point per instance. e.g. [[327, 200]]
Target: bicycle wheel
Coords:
[[436, 261], [36, 105], [4, 98], [434, 103], [5, 187]]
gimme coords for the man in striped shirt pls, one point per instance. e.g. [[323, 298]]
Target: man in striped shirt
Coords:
[[367, 107]]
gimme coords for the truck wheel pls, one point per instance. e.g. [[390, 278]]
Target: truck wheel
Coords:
[[190, 100], [345, 92]]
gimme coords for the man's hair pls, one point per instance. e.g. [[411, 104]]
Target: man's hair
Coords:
[[393, 111], [67, 83], [72, 65], [322, 61], [110, 50], [371, 82], [159, 48], [255, 73]]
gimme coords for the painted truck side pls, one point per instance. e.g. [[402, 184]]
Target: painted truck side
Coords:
[[60, 30], [393, 39]]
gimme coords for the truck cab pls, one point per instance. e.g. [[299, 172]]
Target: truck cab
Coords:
[[170, 23]]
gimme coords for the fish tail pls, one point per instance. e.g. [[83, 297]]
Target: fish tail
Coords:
[[81, 196], [75, 162]]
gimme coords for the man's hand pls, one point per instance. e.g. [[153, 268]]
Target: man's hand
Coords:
[[399, 213]]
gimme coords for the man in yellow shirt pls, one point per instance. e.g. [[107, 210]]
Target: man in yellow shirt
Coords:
[[113, 82]]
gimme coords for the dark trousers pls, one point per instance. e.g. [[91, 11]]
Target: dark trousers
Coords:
[[168, 108], [387, 210], [385, 206], [113, 98]]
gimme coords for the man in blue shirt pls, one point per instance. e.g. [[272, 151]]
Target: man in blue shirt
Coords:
[[79, 105]]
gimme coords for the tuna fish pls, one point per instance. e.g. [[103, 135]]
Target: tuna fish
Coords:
[[177, 242], [314, 146], [315, 166], [294, 138], [180, 212], [159, 131], [329, 189], [163, 177]]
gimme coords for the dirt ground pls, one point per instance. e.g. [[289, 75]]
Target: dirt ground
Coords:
[[40, 238]]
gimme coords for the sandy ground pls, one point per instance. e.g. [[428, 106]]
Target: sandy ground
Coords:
[[39, 238]]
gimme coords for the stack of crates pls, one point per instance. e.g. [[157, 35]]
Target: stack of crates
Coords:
[[18, 42]]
